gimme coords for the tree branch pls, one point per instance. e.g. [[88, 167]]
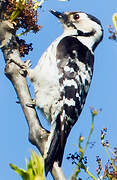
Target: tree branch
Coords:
[[38, 136]]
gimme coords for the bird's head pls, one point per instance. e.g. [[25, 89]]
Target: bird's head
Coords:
[[85, 27]]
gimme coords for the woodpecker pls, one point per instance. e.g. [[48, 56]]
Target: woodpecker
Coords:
[[62, 78]]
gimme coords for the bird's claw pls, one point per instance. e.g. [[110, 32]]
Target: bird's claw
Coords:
[[26, 65], [32, 104]]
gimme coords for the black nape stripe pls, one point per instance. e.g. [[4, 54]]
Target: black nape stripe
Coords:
[[80, 33], [94, 19]]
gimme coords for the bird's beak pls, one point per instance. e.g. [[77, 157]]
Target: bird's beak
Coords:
[[61, 16]]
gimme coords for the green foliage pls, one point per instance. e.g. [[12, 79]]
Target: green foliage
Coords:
[[81, 163], [19, 8], [23, 15], [35, 168], [109, 171], [113, 31], [114, 19]]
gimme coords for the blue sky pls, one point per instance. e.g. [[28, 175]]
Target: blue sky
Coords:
[[15, 146]]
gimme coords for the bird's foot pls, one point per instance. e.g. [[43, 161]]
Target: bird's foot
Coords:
[[32, 104], [24, 65]]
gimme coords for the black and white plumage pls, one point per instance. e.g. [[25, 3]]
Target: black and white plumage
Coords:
[[62, 78]]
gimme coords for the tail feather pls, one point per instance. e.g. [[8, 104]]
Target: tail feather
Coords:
[[52, 153], [55, 154], [57, 145], [56, 149]]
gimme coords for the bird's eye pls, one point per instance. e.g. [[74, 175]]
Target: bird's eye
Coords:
[[76, 16]]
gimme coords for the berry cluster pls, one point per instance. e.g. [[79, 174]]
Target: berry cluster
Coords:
[[76, 157], [23, 47], [24, 15]]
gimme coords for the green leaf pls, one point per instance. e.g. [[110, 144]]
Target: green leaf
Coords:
[[35, 168], [21, 172]]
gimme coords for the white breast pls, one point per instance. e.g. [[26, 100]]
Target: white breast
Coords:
[[45, 80]]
